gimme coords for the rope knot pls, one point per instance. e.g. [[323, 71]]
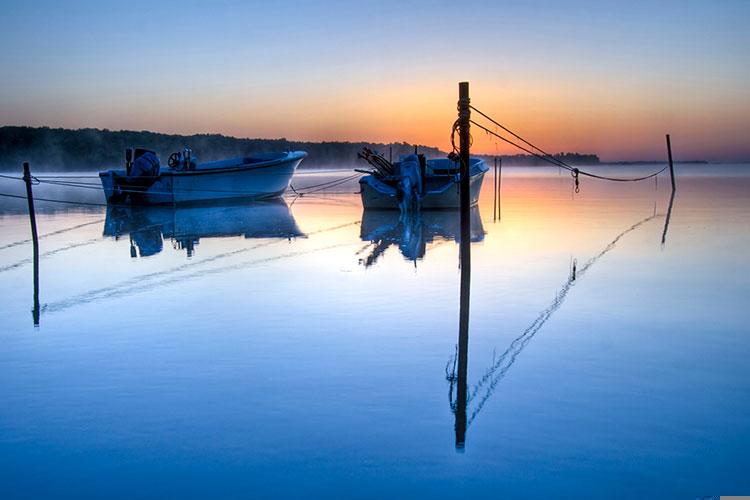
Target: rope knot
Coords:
[[575, 173]]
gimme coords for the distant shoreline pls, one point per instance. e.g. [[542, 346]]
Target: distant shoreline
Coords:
[[651, 162], [90, 149]]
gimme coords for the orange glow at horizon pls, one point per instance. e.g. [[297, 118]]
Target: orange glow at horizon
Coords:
[[613, 122]]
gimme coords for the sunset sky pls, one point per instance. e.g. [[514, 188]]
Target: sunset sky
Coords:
[[591, 76]]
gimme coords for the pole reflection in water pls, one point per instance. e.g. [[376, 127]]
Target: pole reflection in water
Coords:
[[666, 220], [463, 344], [412, 232], [485, 387], [35, 310]]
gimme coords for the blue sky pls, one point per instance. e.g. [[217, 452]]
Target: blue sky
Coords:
[[608, 77]]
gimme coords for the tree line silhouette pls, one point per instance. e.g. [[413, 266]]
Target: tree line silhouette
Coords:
[[58, 149]]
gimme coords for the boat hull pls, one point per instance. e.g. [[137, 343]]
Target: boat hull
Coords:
[[256, 180]]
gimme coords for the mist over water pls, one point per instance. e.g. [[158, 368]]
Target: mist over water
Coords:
[[259, 350]]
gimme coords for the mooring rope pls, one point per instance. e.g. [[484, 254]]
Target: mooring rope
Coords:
[[55, 201], [13, 177], [53, 233], [158, 278], [92, 176], [323, 185], [544, 156], [575, 171], [49, 253]]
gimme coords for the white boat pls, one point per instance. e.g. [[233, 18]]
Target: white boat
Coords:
[[417, 182], [143, 182]]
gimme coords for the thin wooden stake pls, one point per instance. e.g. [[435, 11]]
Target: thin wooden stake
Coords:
[[34, 239], [671, 166], [499, 188], [494, 200]]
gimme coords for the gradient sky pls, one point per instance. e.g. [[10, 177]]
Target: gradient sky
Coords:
[[591, 76]]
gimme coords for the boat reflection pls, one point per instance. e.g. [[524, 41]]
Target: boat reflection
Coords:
[[148, 227], [412, 232]]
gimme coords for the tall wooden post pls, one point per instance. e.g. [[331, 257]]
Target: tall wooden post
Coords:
[[464, 115], [34, 239], [671, 166]]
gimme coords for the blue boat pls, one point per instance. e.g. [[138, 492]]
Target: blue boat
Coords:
[[143, 182], [416, 182]]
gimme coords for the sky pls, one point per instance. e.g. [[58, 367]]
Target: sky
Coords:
[[609, 78]]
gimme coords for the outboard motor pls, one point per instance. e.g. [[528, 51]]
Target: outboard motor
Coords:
[[145, 164], [128, 160], [409, 187], [141, 171]]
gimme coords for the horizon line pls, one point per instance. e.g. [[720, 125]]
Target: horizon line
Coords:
[[612, 161]]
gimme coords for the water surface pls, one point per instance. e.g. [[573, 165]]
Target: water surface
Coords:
[[305, 348]]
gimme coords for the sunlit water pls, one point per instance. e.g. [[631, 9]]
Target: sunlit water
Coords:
[[301, 349]]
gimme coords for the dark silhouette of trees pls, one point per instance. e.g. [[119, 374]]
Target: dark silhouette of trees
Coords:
[[96, 149]]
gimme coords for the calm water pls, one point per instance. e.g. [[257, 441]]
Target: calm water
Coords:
[[305, 349]]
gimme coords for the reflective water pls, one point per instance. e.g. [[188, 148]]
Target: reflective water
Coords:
[[305, 349]]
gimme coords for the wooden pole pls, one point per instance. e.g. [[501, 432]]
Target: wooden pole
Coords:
[[464, 115], [34, 239], [671, 166]]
